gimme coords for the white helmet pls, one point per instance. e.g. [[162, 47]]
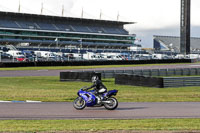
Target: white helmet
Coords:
[[94, 79]]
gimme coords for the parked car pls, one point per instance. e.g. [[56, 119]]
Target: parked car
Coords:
[[6, 56], [20, 58]]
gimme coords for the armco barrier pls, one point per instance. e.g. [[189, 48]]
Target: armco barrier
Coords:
[[78, 76], [180, 81]]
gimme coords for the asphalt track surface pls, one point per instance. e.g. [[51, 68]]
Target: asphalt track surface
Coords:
[[57, 72], [62, 110]]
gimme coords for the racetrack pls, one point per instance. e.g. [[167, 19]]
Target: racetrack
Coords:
[[62, 110], [65, 110], [57, 72]]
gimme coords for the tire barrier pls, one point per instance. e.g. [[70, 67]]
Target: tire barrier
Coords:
[[149, 78], [161, 78], [95, 62], [136, 80], [78, 76]]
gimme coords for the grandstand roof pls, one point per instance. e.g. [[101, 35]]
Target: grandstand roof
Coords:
[[44, 29], [82, 20], [169, 42]]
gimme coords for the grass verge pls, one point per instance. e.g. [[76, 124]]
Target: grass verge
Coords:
[[50, 89], [81, 67], [99, 125]]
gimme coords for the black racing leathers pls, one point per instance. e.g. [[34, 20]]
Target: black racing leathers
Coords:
[[98, 85]]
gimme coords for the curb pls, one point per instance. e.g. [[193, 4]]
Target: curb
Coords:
[[27, 101], [5, 101]]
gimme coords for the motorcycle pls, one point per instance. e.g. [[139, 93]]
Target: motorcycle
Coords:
[[90, 99]]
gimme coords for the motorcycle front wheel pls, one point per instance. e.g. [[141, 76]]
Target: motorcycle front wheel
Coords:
[[113, 103], [79, 103]]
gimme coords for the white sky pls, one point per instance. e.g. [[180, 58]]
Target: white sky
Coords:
[[153, 17]]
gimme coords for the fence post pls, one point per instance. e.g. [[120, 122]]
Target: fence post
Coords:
[[133, 72], [196, 71], [158, 72], [182, 71], [142, 73], [150, 72], [167, 72], [189, 71], [174, 71]]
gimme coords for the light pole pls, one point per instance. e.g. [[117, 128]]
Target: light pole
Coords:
[[185, 27], [81, 45], [56, 40], [171, 48]]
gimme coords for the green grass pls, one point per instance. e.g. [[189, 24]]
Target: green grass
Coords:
[[80, 67], [99, 125], [51, 89]]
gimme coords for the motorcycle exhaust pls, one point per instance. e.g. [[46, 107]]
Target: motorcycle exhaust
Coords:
[[105, 102]]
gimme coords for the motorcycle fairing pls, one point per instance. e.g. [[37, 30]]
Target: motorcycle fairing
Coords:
[[89, 98], [110, 93]]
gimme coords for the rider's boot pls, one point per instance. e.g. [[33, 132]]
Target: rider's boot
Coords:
[[98, 99], [101, 97]]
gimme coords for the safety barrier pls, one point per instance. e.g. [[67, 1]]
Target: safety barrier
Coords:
[[151, 72], [91, 62], [150, 78], [78, 76], [159, 82], [136, 80], [155, 77], [180, 81]]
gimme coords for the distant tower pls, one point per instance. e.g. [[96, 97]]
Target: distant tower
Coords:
[[118, 16], [63, 10], [100, 16], [82, 13], [185, 27], [19, 8], [42, 8]]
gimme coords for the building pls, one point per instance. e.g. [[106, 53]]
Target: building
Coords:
[[31, 31], [172, 44]]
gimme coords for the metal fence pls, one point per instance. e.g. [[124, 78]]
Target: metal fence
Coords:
[[180, 81]]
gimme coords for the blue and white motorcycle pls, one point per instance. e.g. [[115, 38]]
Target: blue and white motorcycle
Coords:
[[89, 99]]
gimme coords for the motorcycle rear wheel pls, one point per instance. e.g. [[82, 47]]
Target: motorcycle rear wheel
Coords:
[[79, 103], [112, 105]]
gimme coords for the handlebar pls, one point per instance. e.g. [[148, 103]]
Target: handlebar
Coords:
[[84, 88]]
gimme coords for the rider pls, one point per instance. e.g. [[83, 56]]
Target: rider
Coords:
[[98, 86]]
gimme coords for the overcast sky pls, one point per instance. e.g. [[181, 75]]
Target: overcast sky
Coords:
[[153, 17]]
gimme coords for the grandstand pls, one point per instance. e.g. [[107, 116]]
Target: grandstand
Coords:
[[172, 43], [55, 32]]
